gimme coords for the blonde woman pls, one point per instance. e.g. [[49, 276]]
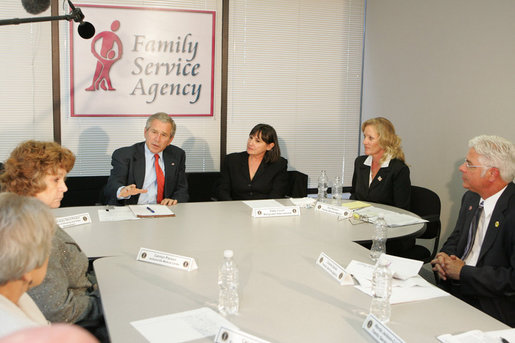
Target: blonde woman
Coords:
[[381, 175]]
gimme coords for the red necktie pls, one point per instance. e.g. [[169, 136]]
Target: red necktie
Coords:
[[160, 179]]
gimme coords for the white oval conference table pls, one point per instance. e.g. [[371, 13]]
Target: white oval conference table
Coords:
[[284, 295]]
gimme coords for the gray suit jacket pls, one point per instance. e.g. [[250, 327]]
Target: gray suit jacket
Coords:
[[129, 168], [490, 285]]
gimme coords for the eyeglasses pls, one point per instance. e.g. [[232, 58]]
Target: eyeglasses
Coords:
[[468, 165]]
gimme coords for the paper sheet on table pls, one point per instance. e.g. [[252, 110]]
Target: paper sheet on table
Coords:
[[303, 202], [478, 336], [403, 268], [151, 211], [354, 205], [262, 203], [115, 214], [392, 219], [182, 327], [412, 289]]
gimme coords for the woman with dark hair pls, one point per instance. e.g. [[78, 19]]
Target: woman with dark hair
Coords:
[[257, 173]]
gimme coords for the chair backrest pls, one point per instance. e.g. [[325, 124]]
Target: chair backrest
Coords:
[[297, 184], [427, 205], [201, 185]]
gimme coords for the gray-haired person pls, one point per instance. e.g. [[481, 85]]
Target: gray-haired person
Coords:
[[26, 230]]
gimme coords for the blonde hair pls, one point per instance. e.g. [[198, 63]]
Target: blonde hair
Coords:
[[26, 230], [388, 140]]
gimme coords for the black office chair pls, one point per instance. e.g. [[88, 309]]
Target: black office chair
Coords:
[[297, 184], [426, 204]]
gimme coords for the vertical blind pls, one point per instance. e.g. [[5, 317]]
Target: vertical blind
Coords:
[[296, 65]]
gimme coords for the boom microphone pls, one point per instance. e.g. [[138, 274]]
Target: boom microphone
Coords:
[[35, 6], [86, 30]]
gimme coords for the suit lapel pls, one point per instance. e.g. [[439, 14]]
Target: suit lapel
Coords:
[[496, 221], [139, 165], [170, 164]]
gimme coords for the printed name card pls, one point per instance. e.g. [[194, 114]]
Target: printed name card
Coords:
[[166, 259], [276, 211], [335, 270], [76, 219], [226, 335], [379, 331], [333, 209]]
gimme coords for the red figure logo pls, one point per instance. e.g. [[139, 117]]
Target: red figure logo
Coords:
[[110, 52]]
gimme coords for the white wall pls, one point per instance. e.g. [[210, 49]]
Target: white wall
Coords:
[[443, 71]]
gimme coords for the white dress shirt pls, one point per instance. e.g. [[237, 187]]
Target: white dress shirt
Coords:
[[484, 220]]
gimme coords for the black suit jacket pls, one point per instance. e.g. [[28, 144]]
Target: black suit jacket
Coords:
[[390, 186], [270, 181], [129, 168], [490, 285]]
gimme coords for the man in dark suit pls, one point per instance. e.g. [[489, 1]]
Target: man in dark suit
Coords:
[[149, 172], [477, 262]]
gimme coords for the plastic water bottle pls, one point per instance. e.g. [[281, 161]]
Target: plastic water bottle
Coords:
[[322, 186], [337, 190], [228, 280], [379, 239], [381, 290]]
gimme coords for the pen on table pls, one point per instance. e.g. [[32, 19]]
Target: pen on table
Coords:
[[504, 340], [151, 210]]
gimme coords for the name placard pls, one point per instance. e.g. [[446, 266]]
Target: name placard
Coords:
[[226, 335], [76, 219], [333, 209], [379, 331], [166, 259], [335, 270], [276, 211]]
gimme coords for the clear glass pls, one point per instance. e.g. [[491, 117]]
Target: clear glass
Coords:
[[322, 186], [337, 190], [228, 282], [379, 239], [381, 291]]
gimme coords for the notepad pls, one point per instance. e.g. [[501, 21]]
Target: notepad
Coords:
[[151, 211]]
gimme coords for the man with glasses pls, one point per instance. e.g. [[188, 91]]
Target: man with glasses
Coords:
[[477, 262], [149, 172]]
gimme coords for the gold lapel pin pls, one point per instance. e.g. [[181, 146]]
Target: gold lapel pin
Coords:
[[496, 224], [380, 178]]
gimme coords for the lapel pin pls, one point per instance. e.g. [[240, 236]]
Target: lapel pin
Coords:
[[380, 178], [173, 163], [496, 224], [470, 208]]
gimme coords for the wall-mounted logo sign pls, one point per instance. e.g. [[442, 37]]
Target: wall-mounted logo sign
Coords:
[[142, 61]]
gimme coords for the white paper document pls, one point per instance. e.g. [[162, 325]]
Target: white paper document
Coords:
[[182, 327], [478, 336], [151, 210], [303, 202], [262, 203], [412, 289], [392, 219], [115, 214]]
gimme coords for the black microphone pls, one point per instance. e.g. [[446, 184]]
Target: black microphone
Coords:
[[35, 6], [86, 30]]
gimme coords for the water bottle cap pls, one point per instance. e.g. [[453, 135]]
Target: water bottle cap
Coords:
[[228, 253]]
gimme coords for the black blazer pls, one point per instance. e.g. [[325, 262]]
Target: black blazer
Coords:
[[490, 285], [129, 168], [270, 181], [390, 186]]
